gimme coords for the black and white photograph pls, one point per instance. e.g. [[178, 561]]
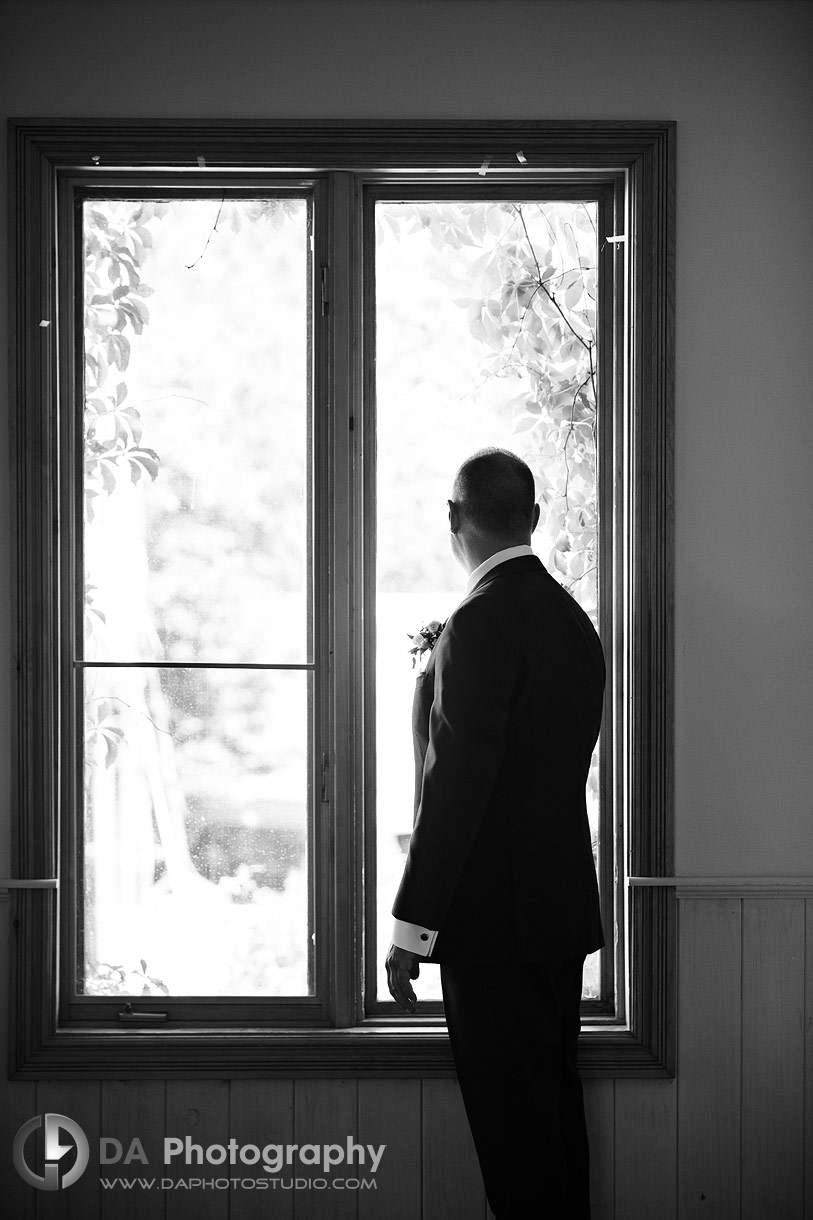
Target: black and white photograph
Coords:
[[406, 686]]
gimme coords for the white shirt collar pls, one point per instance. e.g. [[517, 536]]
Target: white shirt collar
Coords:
[[510, 552]]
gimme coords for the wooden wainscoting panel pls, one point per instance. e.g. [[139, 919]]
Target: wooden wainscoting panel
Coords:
[[452, 1183], [772, 1058], [198, 1109], [325, 1112], [599, 1104], [18, 1098], [390, 1113], [81, 1101], [18, 1103], [133, 1110], [808, 1060], [646, 1149], [709, 1059], [261, 1112]]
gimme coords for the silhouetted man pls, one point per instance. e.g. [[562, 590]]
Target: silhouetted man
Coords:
[[499, 885]]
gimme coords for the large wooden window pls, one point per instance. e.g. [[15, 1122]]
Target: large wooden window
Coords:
[[249, 361]]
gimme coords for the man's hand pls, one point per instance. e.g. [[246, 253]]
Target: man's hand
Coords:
[[401, 967]]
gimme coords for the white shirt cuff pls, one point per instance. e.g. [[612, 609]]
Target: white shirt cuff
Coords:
[[413, 937]]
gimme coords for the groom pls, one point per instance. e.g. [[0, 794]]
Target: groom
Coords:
[[499, 885]]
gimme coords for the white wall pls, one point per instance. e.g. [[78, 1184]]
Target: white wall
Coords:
[[736, 77]]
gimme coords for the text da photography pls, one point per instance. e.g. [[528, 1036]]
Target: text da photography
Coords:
[[272, 1158]]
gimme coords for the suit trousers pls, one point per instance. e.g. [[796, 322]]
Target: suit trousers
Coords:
[[514, 1029]]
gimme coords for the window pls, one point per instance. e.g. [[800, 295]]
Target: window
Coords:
[[263, 354], [486, 332]]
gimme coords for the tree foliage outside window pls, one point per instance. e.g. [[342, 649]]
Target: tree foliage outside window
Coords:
[[531, 279]]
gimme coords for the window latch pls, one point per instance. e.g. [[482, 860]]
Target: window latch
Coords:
[[325, 765], [325, 299], [28, 883], [141, 1016]]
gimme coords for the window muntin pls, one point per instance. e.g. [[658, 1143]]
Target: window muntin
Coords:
[[195, 675], [487, 333]]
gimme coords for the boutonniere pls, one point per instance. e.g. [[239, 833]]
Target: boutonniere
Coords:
[[425, 640]]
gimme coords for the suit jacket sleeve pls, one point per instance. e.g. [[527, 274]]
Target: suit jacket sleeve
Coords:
[[467, 733]]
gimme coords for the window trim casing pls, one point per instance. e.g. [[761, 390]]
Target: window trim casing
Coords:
[[644, 154]]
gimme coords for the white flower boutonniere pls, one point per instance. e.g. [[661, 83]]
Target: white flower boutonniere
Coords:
[[425, 640]]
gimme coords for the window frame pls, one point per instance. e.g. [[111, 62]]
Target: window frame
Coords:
[[639, 157], [73, 190]]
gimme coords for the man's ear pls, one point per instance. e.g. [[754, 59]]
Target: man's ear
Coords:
[[535, 520], [454, 516]]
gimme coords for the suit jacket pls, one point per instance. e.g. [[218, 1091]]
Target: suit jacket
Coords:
[[505, 718]]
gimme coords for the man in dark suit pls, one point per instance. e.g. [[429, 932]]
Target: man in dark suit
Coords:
[[499, 885]]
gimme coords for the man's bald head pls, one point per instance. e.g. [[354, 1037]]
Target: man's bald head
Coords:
[[494, 490]]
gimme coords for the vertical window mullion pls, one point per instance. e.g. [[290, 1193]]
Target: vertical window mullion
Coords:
[[373, 950], [340, 833]]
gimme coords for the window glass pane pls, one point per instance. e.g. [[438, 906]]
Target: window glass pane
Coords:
[[486, 335], [196, 430], [195, 832], [196, 552]]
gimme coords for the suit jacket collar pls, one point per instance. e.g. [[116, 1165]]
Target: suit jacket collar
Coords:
[[498, 557], [510, 567]]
